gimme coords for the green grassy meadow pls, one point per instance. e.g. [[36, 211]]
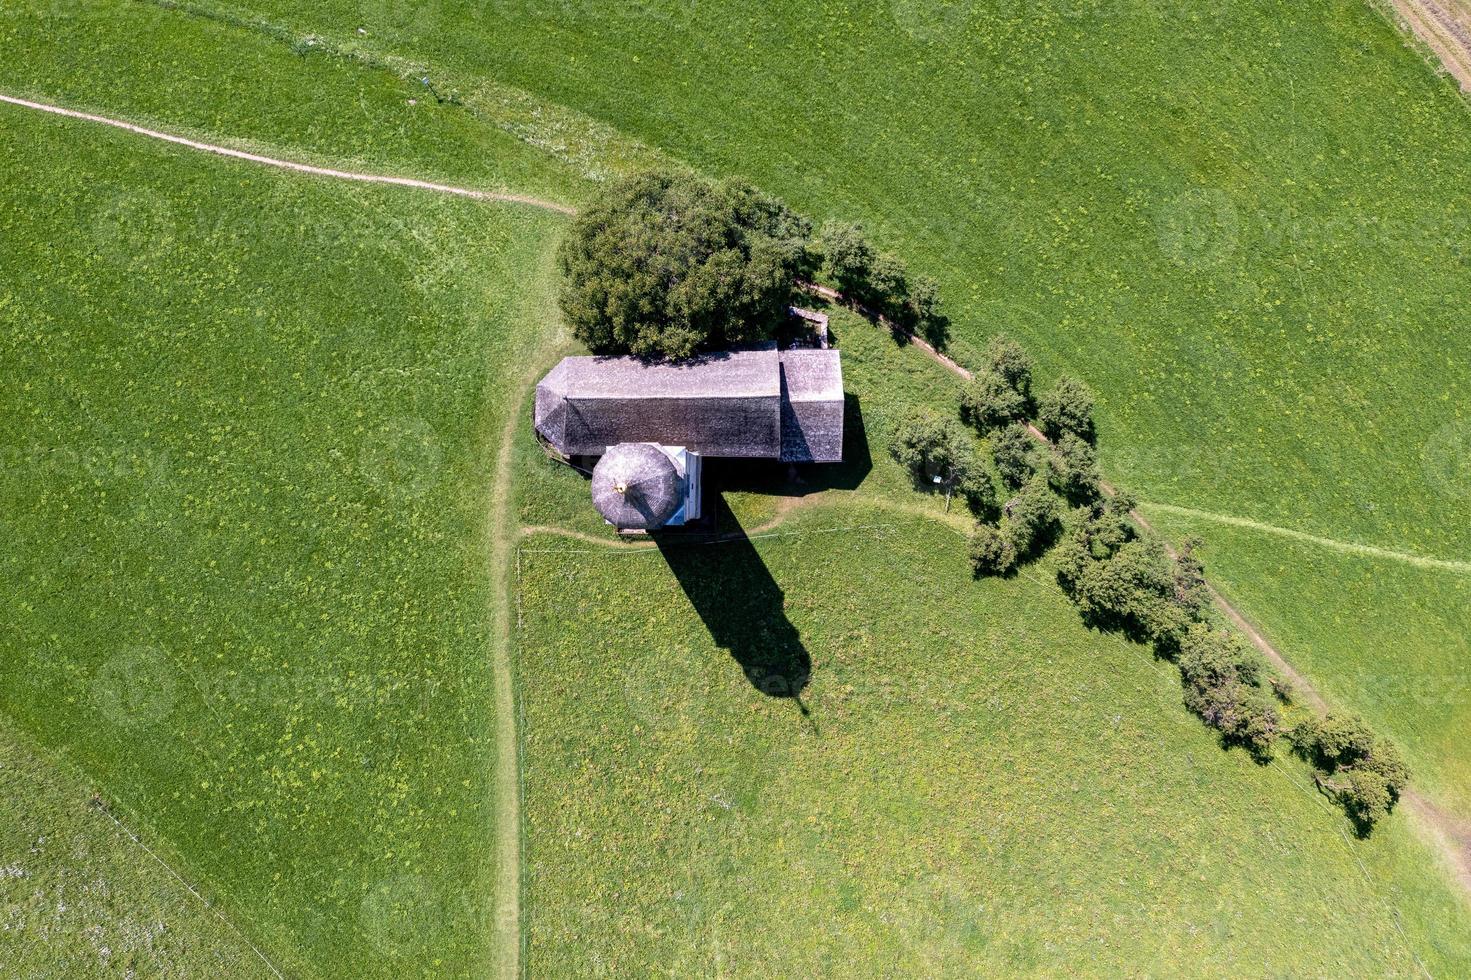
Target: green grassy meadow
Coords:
[[245, 493], [1206, 212], [995, 791], [249, 448], [973, 783], [79, 898], [1178, 203]]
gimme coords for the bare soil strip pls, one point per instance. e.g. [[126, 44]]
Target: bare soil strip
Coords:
[[1444, 31], [303, 168]]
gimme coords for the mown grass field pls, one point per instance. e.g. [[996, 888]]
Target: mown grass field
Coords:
[[978, 786], [244, 485], [229, 84], [1351, 622], [1182, 204], [1207, 212], [79, 898], [248, 442]]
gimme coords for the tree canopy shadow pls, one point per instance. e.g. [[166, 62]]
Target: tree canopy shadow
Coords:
[[742, 606]]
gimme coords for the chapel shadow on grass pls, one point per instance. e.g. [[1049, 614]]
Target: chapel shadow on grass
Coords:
[[742, 606]]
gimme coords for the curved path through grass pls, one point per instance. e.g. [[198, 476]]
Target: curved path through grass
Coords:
[[505, 532], [304, 168], [1347, 547]]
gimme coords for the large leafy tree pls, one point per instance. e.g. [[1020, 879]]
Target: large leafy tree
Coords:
[[665, 265]]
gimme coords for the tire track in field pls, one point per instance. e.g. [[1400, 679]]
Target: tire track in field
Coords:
[[1449, 835], [502, 197], [1347, 547], [504, 560]]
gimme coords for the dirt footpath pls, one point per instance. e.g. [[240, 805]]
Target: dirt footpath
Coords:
[[1445, 28]]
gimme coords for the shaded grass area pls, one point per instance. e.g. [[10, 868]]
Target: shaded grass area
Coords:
[[248, 424], [79, 898], [970, 782], [1390, 640]]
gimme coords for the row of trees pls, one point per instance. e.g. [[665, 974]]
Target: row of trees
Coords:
[[1124, 579], [1121, 576], [665, 265], [881, 281]]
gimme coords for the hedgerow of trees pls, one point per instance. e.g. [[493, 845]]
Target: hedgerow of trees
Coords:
[[880, 282], [1121, 576], [938, 454], [664, 265]]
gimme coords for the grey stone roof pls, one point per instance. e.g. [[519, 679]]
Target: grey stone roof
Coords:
[[757, 402], [636, 487], [811, 406]]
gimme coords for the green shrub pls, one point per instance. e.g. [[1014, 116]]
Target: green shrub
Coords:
[[1067, 407], [1191, 592], [1363, 772], [977, 487], [887, 290], [847, 257], [925, 315], [1223, 676], [1073, 469], [1125, 579], [1006, 358], [938, 453], [1128, 589], [1030, 518], [988, 401], [1015, 452], [665, 265], [991, 552]]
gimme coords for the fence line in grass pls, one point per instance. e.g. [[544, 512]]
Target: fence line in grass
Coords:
[[101, 807]]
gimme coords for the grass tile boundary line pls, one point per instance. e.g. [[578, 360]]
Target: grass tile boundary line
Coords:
[[106, 811]]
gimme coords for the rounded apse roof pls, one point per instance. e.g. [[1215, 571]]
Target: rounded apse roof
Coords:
[[636, 487]]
